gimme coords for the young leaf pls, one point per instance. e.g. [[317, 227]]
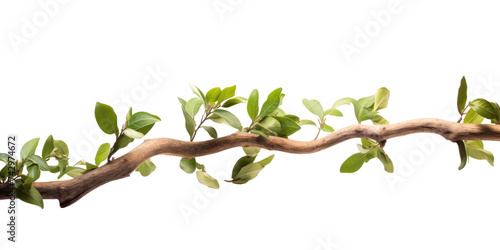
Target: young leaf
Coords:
[[307, 122], [146, 168], [497, 113], [314, 107], [211, 131], [379, 120], [39, 161], [133, 134], [48, 147], [200, 94], [207, 180], [129, 114], [288, 127], [61, 149], [188, 165], [29, 148], [247, 173], [462, 96], [266, 161], [294, 118], [72, 172], [271, 104], [142, 119], [259, 132], [233, 101], [224, 116], [483, 108], [251, 151], [189, 121], [381, 99], [384, 158], [31, 196], [213, 96], [475, 149], [102, 153], [327, 128], [353, 163], [333, 112], [473, 117], [367, 102], [106, 118], [463, 154], [193, 106], [243, 161], [226, 93], [34, 172], [253, 105]]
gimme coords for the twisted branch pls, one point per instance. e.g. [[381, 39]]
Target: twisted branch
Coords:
[[70, 191]]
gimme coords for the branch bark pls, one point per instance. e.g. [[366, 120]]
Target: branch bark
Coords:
[[70, 191]]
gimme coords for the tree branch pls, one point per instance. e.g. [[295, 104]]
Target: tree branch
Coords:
[[70, 191]]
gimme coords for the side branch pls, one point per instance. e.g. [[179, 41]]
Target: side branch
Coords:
[[70, 191]]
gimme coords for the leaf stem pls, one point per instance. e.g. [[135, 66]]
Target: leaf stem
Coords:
[[463, 113], [204, 117], [321, 123]]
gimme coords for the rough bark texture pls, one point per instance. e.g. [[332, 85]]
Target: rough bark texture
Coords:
[[70, 191]]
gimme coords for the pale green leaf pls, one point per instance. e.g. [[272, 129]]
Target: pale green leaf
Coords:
[[102, 153], [207, 180], [381, 99], [29, 148]]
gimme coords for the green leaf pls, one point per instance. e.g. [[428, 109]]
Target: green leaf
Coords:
[[207, 180], [102, 153], [384, 158], [106, 118], [61, 149], [193, 106], [200, 166], [29, 148], [133, 134], [48, 147], [307, 122], [271, 104], [213, 96], [266, 161], [189, 121], [475, 149], [142, 119], [462, 96], [253, 105], [146, 168], [4, 157], [226, 93], [288, 127], [314, 107], [258, 132], [129, 114], [251, 151], [188, 165], [294, 118], [243, 161], [379, 120], [31, 196], [39, 161], [121, 143], [381, 99], [226, 117], [463, 154], [368, 142], [4, 173], [367, 102], [211, 131], [473, 117], [200, 94], [333, 112], [72, 172], [353, 163], [247, 173], [327, 128], [233, 101], [34, 172], [497, 113], [483, 108]]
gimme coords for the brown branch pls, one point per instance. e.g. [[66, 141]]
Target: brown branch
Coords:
[[70, 191]]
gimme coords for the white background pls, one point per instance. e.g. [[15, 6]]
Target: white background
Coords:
[[87, 51]]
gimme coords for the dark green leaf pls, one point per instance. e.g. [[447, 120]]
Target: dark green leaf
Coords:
[[106, 118], [314, 107], [48, 147], [384, 158], [233, 101], [226, 117], [29, 148], [102, 153], [288, 126], [34, 172], [213, 95], [243, 161], [381, 99], [463, 154], [353, 163], [142, 119], [253, 105], [211, 131], [146, 168], [207, 180], [226, 93], [121, 143], [483, 108], [271, 104], [462, 96], [31, 196], [188, 165]]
